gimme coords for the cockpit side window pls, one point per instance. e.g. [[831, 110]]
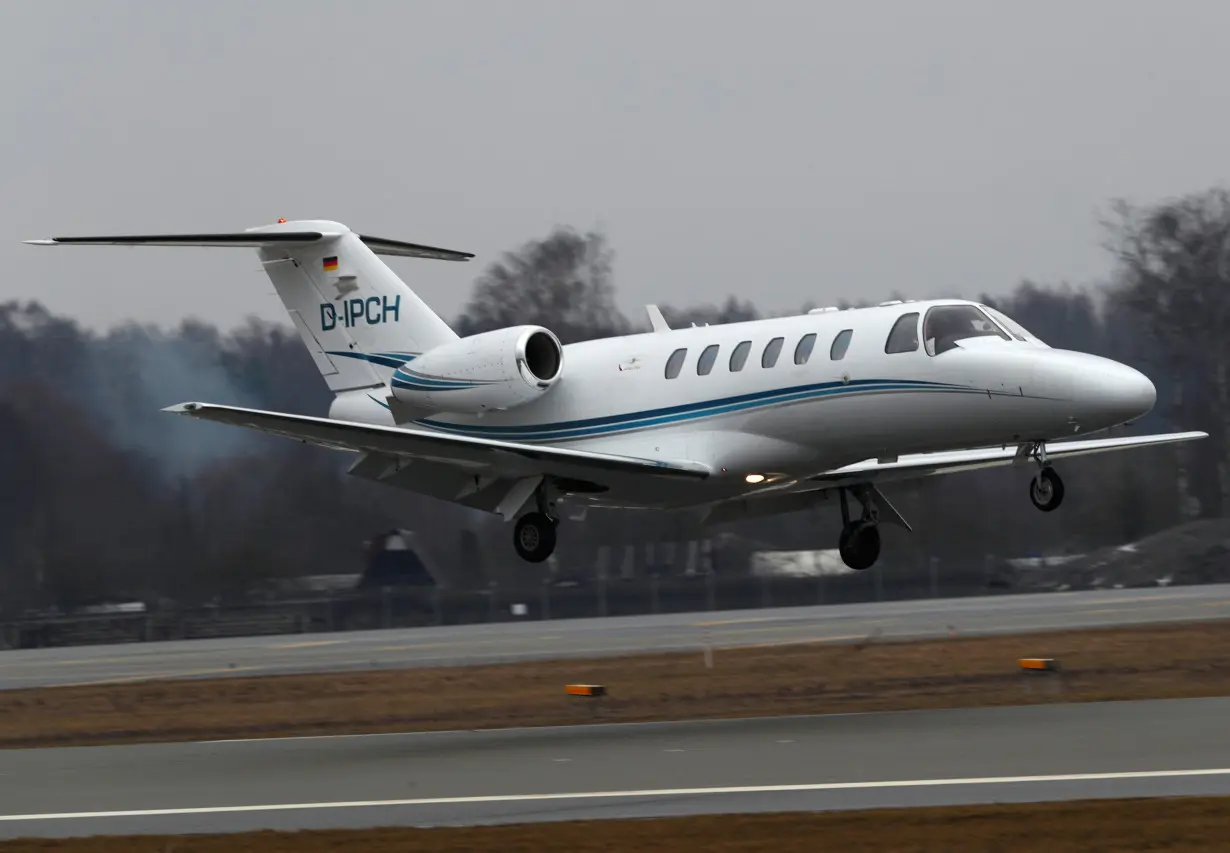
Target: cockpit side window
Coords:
[[946, 325], [904, 335]]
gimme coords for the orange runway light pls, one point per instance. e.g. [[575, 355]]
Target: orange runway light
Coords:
[[1039, 664]]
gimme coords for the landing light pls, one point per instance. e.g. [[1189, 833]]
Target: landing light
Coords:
[[754, 478]]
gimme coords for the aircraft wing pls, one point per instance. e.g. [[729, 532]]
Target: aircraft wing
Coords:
[[503, 458], [797, 493], [949, 462]]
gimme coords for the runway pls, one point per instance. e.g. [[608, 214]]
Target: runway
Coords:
[[506, 642], [1033, 753]]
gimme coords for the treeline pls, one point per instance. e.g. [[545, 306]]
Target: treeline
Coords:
[[102, 494]]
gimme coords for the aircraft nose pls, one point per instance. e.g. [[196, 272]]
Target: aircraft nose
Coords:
[[1118, 393]]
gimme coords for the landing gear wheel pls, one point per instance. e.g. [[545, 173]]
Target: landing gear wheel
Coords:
[[534, 537], [860, 545], [1046, 490]]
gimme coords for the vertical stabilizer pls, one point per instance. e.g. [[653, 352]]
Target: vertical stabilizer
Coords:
[[359, 321], [357, 318]]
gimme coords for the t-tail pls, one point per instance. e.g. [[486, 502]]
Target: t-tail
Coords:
[[359, 320]]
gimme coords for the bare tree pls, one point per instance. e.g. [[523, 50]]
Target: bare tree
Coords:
[[1174, 271], [563, 282]]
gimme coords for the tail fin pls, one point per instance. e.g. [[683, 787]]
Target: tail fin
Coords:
[[359, 320]]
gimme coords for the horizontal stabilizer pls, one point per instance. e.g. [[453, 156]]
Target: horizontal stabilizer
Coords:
[[257, 239], [382, 246], [506, 456], [252, 240]]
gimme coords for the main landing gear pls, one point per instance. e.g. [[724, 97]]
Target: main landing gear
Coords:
[[1046, 489], [534, 536], [859, 544], [534, 532]]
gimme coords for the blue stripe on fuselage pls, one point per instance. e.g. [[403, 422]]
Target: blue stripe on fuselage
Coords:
[[384, 359], [592, 427]]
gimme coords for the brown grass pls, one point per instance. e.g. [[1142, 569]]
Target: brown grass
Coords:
[[1123, 663], [1193, 825]]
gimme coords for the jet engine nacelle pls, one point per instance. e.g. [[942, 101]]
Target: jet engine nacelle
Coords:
[[490, 371]]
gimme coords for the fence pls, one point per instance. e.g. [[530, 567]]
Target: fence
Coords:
[[404, 607]]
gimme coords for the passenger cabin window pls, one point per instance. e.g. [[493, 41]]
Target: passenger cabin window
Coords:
[[704, 364], [803, 351], [771, 352], [738, 358], [904, 335], [946, 325], [675, 363], [841, 343]]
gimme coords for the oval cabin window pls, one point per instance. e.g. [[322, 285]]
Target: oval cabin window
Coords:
[[841, 343], [675, 363], [738, 358], [803, 351], [704, 364]]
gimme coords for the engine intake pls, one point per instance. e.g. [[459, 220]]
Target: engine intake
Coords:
[[542, 355], [490, 371]]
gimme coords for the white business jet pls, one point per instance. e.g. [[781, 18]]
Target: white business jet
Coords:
[[739, 420]]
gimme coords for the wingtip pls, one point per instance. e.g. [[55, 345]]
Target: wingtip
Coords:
[[183, 408], [46, 242]]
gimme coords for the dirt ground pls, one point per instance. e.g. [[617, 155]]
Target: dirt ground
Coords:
[[1179, 825], [1124, 663]]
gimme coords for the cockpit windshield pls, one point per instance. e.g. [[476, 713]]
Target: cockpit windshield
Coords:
[[1014, 328], [945, 325]]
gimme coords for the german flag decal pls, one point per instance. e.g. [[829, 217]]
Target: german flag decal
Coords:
[[331, 264]]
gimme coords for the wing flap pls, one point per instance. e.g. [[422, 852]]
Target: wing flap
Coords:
[[508, 457]]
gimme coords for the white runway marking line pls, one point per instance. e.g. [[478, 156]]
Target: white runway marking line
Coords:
[[623, 795]]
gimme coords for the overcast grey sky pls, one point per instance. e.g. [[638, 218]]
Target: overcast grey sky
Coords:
[[783, 151]]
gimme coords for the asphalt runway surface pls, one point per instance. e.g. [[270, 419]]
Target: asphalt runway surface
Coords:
[[541, 640], [1029, 753]]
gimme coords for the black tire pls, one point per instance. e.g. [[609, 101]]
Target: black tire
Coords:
[[1046, 490], [534, 537], [859, 545]]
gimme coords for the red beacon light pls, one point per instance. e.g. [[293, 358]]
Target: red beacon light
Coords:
[[281, 220]]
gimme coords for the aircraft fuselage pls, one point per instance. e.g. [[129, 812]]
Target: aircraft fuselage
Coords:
[[838, 406]]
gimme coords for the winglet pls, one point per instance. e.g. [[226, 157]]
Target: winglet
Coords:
[[656, 320]]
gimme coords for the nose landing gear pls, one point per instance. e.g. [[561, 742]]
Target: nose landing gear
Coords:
[[1046, 489]]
